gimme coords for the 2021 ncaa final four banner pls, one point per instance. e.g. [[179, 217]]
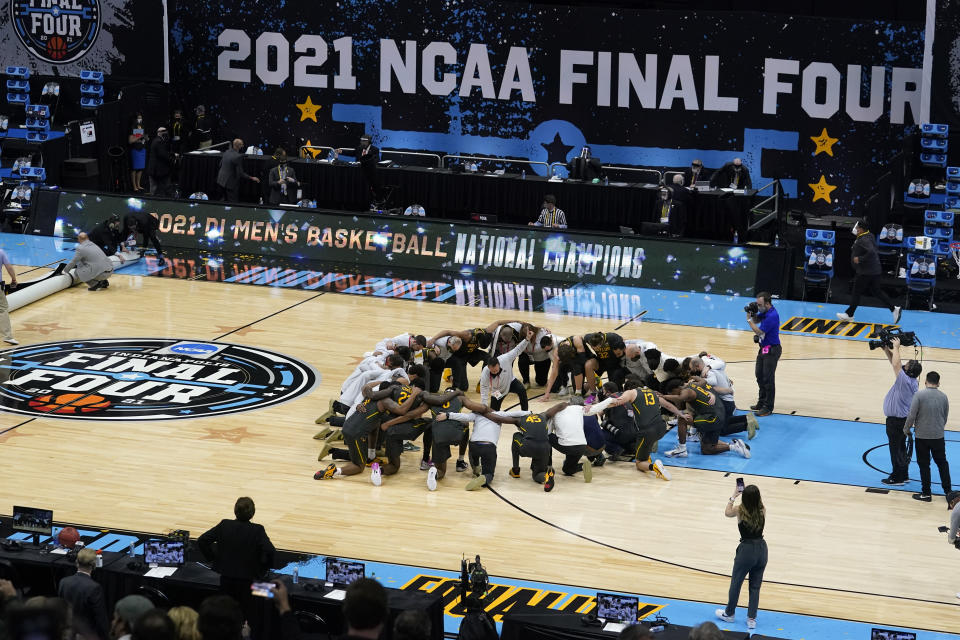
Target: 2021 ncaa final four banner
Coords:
[[125, 39], [819, 103]]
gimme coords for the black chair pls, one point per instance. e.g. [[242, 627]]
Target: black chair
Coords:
[[157, 597], [312, 626]]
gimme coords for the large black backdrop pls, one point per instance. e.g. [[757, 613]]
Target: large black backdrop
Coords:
[[773, 145]]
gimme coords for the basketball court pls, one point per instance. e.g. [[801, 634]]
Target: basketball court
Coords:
[[846, 553]]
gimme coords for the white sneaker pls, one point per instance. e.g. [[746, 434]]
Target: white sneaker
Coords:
[[722, 614], [660, 470], [751, 623], [740, 447], [845, 317], [679, 452], [11, 341], [375, 477], [432, 478], [693, 437], [672, 422], [897, 311]]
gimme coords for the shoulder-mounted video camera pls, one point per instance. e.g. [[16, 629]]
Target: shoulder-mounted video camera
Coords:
[[885, 338]]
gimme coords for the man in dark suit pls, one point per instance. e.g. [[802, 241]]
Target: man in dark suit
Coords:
[[282, 180], [231, 172], [85, 596], [681, 202], [241, 553], [147, 225], [106, 235], [160, 164], [368, 156], [695, 173], [732, 175]]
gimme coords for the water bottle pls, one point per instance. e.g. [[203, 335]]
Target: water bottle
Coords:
[[776, 240], [296, 574], [523, 174], [99, 559], [130, 551], [606, 181], [736, 238]]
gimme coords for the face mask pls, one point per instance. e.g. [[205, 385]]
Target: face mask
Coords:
[[855, 230]]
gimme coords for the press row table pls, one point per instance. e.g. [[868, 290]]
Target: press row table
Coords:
[[447, 194], [41, 572]]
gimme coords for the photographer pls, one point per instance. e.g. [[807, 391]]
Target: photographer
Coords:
[[768, 332], [896, 406]]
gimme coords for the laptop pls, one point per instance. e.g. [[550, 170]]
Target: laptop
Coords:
[[343, 572], [890, 634], [163, 553], [703, 185], [619, 611]]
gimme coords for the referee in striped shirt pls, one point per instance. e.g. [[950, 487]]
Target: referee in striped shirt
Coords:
[[550, 215]]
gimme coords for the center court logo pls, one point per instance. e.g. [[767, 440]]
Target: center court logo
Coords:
[[147, 379], [56, 31]]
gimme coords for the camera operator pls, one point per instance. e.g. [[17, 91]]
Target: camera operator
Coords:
[[896, 406], [768, 332]]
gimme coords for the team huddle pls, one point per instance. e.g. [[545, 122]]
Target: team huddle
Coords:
[[393, 397]]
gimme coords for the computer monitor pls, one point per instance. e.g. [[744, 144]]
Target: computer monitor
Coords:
[[39, 522], [619, 608], [891, 634], [163, 553], [343, 572]]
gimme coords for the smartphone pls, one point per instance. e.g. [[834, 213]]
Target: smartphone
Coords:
[[942, 529], [739, 485], [263, 589]]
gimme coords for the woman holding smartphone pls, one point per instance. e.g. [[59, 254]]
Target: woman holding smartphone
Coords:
[[751, 556]]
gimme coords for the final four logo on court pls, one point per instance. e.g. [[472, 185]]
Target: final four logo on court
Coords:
[[147, 379], [57, 31]]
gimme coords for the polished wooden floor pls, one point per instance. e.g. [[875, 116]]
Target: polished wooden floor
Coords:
[[834, 550]]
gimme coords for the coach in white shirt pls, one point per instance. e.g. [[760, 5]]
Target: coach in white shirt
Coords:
[[497, 379]]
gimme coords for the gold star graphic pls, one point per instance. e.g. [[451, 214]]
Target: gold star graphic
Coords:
[[44, 328], [308, 110], [822, 190], [230, 435], [824, 143], [313, 152], [236, 331]]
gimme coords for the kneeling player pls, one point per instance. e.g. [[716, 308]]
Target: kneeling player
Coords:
[[360, 429], [532, 441], [408, 427], [446, 432], [709, 418], [645, 407]]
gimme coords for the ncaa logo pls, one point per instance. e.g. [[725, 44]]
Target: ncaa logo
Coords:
[[57, 31], [194, 349], [147, 379]]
